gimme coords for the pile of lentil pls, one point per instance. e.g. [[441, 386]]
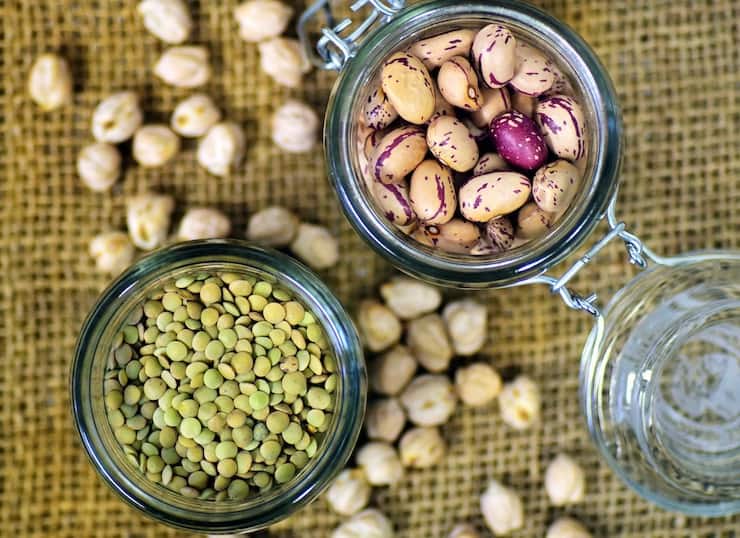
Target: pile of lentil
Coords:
[[220, 386]]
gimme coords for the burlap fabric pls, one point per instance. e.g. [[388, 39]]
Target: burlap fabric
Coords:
[[675, 64]]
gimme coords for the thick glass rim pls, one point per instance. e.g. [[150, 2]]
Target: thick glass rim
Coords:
[[200, 515], [592, 368], [450, 270]]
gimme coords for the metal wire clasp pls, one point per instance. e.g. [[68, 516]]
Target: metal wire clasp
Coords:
[[338, 42], [638, 255]]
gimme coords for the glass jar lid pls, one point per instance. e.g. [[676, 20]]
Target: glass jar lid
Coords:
[[660, 383]]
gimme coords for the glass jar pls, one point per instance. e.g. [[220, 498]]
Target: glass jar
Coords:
[[660, 383], [592, 88], [95, 342]]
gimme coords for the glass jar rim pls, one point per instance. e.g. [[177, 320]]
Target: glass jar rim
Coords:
[[453, 271], [336, 448], [593, 367]]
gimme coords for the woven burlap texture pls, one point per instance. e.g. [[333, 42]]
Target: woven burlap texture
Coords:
[[675, 65]]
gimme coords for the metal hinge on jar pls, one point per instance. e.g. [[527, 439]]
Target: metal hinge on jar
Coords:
[[638, 253], [339, 41]]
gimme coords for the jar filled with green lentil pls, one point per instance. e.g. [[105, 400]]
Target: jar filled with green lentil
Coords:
[[218, 386]]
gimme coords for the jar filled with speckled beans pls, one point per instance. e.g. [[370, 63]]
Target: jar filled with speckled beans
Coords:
[[660, 369], [120, 429], [419, 245]]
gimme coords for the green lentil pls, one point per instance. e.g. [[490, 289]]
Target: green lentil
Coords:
[[214, 350], [218, 386], [259, 400], [212, 378], [190, 427], [294, 383], [238, 490], [315, 417], [210, 293], [284, 472]]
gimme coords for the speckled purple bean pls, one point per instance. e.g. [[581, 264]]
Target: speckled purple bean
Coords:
[[450, 141], [526, 104], [533, 222], [518, 140], [481, 135], [399, 152], [456, 236], [555, 185], [432, 193], [434, 51], [492, 195], [379, 112], [533, 75], [562, 123], [394, 202], [408, 86], [458, 84], [494, 55], [363, 133], [561, 85], [441, 107], [495, 102], [490, 162], [372, 140], [500, 232], [484, 247]]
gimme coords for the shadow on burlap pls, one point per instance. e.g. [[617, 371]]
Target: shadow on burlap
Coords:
[[675, 65]]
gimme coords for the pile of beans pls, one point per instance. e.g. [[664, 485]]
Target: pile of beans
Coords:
[[220, 386], [507, 141]]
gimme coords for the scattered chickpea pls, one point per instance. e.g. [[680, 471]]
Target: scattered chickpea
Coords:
[[184, 66], [422, 447], [283, 59], [427, 338], [273, 226], [380, 462], [316, 246], [262, 19], [477, 384], [378, 325], [390, 372], [167, 20], [520, 403], [295, 126], [502, 509], [155, 145], [370, 523], [384, 420], [565, 481], [429, 400], [409, 298], [203, 223], [194, 115], [467, 325], [349, 493], [567, 527], [116, 118], [112, 251], [99, 165], [221, 150], [50, 82], [148, 219], [464, 530]]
